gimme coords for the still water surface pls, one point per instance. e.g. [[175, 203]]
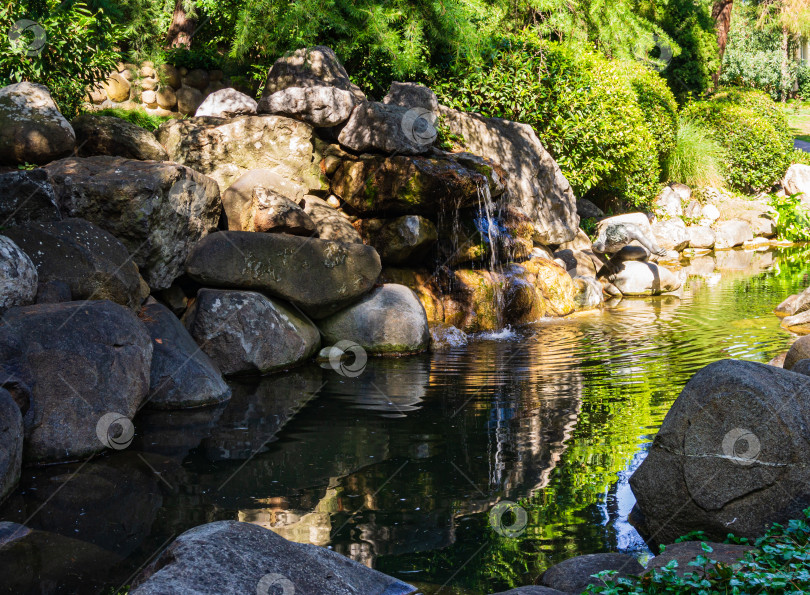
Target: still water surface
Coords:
[[400, 467]]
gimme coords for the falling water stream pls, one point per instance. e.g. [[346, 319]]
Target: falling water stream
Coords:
[[400, 467]]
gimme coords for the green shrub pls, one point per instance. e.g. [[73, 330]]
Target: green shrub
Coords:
[[803, 81], [754, 132], [697, 158], [137, 116], [777, 565], [78, 49], [792, 219], [596, 116]]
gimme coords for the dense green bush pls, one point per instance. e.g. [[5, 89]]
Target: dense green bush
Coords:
[[754, 132], [696, 159], [78, 48], [803, 80], [792, 218], [608, 123]]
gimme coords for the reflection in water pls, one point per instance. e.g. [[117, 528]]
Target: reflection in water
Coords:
[[399, 467]]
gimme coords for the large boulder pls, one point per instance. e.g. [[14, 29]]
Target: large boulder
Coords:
[[239, 200], [671, 234], [26, 195], [11, 443], [643, 278], [730, 456], [390, 320], [31, 128], [388, 128], [226, 103], [106, 135], [535, 182], [402, 185], [93, 263], [798, 351], [670, 202], [87, 364], [319, 276], [700, 236], [412, 95], [233, 558], [797, 181], [399, 241], [245, 332], [320, 106], [574, 575], [225, 149], [18, 276], [317, 66], [330, 224], [181, 375], [731, 234], [158, 210]]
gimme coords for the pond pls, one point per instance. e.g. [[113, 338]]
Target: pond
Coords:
[[403, 467]]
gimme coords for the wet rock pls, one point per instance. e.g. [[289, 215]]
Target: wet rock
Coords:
[[798, 351], [226, 103], [226, 149], [82, 360], [575, 574], [239, 200], [390, 320], [446, 336], [794, 304], [317, 66], [589, 293], [321, 107], [587, 210], [31, 128], [797, 180], [402, 240], [700, 236], [11, 444], [730, 456], [485, 238], [18, 276], [158, 210], [93, 263], [412, 95], [732, 233], [25, 196], [388, 128], [688, 551], [107, 135], [534, 180], [319, 276], [246, 332], [330, 224], [232, 558], [181, 374], [643, 278], [402, 185]]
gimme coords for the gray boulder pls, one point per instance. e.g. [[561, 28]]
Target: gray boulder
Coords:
[[226, 149], [535, 182], [403, 240], [320, 106], [11, 443], [107, 135], [700, 236], [276, 214], [388, 321], [688, 551], [233, 558], [18, 276], [411, 95], [643, 278], [798, 351], [319, 276], [330, 224], [93, 263], [671, 234], [576, 574], [730, 456], [226, 103], [87, 364], [31, 128], [389, 128], [245, 332], [731, 234], [239, 200], [586, 209], [158, 210], [26, 195], [181, 375]]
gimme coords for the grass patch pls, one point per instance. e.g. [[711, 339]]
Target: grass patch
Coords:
[[696, 159], [139, 117]]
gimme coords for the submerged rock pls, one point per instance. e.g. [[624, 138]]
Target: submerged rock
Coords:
[[446, 336], [108, 135], [233, 558], [18, 276]]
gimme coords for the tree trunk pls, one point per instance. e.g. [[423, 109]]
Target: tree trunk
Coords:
[[721, 13], [182, 28], [785, 74]]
